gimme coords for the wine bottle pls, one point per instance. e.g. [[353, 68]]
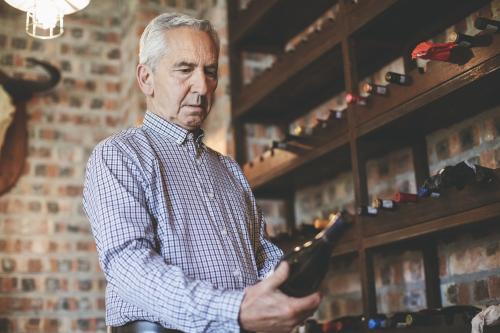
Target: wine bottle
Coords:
[[338, 114], [383, 204], [377, 321], [370, 88], [320, 224], [401, 79], [458, 176], [309, 262], [469, 41], [405, 197], [482, 23], [367, 211], [421, 318], [310, 326], [457, 312], [346, 323], [355, 99]]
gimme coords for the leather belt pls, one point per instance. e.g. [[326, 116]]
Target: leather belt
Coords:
[[141, 326]]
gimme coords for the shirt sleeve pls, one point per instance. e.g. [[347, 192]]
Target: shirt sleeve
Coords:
[[267, 255], [115, 201]]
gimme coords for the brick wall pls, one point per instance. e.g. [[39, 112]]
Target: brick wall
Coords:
[[50, 280]]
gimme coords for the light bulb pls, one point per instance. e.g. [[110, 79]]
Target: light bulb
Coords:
[[46, 14]]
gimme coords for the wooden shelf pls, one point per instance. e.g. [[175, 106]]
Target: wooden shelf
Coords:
[[284, 171], [401, 26], [474, 203], [271, 23], [396, 116], [440, 80], [427, 329], [365, 37], [314, 70]]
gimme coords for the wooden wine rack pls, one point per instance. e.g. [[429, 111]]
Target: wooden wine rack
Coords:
[[365, 36]]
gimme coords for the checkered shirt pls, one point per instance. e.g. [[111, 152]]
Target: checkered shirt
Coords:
[[177, 229]]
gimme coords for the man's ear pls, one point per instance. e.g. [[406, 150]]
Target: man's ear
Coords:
[[144, 76]]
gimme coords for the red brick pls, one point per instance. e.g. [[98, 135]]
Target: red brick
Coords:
[[494, 286], [464, 293], [34, 265]]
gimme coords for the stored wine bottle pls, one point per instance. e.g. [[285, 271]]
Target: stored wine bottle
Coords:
[[377, 321], [422, 318], [346, 323], [309, 262], [321, 123], [310, 326], [370, 88], [401, 79], [337, 114], [367, 211], [383, 204], [405, 197], [320, 224], [483, 23], [298, 130], [355, 99], [469, 41], [462, 313]]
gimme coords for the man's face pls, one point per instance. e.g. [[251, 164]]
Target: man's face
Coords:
[[185, 78]]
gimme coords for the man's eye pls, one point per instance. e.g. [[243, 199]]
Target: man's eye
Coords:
[[185, 70], [212, 74]]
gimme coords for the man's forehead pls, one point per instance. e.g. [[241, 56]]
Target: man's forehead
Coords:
[[189, 44]]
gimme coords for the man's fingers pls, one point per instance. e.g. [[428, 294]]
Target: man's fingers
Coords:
[[309, 302], [278, 277]]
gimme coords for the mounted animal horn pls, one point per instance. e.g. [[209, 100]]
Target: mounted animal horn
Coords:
[[22, 90]]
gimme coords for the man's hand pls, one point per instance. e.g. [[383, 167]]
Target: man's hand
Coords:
[[266, 309]]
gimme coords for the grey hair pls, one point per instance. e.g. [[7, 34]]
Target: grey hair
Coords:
[[152, 45]]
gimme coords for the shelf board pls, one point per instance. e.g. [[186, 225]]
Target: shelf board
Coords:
[[427, 329], [434, 91], [274, 22], [284, 171], [398, 29], [314, 70], [474, 203]]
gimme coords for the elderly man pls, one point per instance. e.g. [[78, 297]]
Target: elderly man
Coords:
[[179, 236]]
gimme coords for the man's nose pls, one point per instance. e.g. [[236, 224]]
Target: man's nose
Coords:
[[200, 83]]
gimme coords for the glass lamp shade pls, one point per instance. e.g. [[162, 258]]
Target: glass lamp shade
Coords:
[[44, 18]]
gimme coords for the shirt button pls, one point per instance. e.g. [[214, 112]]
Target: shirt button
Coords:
[[237, 273], [211, 194], [224, 231]]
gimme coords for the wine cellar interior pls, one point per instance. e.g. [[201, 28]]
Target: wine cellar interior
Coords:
[[368, 132], [337, 145]]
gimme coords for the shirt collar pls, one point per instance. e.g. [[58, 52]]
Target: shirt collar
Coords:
[[170, 130]]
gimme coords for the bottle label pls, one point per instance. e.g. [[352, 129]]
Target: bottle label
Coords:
[[464, 43], [371, 210], [491, 27], [387, 204], [381, 90]]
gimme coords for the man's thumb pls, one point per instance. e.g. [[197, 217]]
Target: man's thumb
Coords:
[[279, 275]]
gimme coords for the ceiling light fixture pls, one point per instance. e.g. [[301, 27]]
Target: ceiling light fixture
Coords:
[[44, 18]]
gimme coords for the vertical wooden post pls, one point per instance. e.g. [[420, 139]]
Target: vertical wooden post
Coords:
[[431, 269], [235, 71], [420, 160], [358, 165]]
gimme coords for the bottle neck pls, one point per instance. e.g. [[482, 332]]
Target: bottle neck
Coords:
[[330, 233]]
